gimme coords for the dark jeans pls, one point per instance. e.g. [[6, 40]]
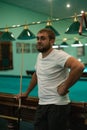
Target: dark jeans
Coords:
[[52, 117]]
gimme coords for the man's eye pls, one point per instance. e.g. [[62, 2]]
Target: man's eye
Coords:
[[41, 38]]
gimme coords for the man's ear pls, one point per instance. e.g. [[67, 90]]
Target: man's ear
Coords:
[[52, 42]]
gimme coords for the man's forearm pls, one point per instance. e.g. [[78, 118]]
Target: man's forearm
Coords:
[[73, 77], [32, 84]]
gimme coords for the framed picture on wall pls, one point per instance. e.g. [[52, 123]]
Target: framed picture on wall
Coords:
[[24, 46], [34, 49], [6, 56], [80, 51]]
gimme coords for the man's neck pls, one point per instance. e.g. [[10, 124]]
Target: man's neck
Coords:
[[46, 53]]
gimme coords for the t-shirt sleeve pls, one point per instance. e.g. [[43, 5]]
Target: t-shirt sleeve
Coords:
[[62, 58]]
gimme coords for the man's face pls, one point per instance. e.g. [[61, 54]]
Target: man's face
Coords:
[[43, 42]]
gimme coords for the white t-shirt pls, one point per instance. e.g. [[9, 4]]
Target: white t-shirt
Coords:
[[50, 74]]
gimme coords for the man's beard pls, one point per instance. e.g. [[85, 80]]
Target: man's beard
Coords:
[[43, 49]]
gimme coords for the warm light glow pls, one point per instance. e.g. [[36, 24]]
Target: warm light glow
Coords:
[[64, 39], [55, 46], [85, 44], [79, 59], [49, 23], [82, 11], [68, 5]]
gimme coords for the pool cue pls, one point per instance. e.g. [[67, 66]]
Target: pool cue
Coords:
[[81, 25], [19, 107], [83, 18]]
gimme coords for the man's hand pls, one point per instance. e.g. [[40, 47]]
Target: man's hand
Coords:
[[23, 95], [62, 90]]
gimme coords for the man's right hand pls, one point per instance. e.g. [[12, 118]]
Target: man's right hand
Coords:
[[22, 95]]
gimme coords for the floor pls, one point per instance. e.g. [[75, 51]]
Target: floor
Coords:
[[29, 126], [23, 125]]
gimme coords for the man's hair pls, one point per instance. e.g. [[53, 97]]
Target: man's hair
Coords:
[[50, 33]]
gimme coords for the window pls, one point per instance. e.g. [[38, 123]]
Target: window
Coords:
[[6, 59], [80, 51], [25, 47]]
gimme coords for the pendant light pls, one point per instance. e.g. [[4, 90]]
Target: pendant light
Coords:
[[76, 43], [74, 27], [64, 43], [49, 26], [7, 36], [26, 34]]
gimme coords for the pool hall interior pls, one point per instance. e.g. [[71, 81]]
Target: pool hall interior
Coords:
[[18, 56]]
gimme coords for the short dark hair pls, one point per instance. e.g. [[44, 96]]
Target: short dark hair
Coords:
[[50, 33]]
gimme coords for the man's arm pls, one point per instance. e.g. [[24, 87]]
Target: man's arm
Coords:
[[32, 84], [76, 69]]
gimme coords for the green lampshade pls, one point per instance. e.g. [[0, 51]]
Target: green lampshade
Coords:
[[7, 36], [50, 27], [64, 44], [26, 34], [74, 28], [77, 43]]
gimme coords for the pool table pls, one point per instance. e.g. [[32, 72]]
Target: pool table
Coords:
[[11, 111]]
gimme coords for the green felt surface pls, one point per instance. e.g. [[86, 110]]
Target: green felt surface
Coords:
[[12, 85]]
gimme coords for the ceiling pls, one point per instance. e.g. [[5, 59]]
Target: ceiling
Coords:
[[52, 8]]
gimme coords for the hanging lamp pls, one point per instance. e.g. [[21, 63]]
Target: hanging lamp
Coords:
[[49, 26], [64, 43], [74, 27], [76, 43], [26, 34], [7, 36]]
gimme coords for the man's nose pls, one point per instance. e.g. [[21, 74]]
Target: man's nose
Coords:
[[39, 40]]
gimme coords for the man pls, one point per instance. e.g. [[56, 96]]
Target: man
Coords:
[[56, 72]]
